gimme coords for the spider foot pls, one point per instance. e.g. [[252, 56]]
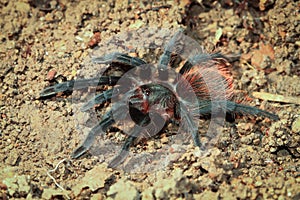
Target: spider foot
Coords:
[[119, 159], [79, 152], [61, 87]]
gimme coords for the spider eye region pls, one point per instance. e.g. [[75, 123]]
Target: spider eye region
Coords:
[[147, 92], [154, 98], [145, 101]]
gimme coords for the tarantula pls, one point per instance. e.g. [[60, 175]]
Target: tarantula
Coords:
[[202, 86]]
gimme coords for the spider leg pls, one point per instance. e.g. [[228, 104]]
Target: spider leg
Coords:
[[138, 130], [135, 132], [250, 110], [232, 107], [193, 128], [174, 46], [119, 110], [200, 58], [68, 86], [189, 124], [119, 58], [103, 97], [105, 123], [205, 107], [98, 99], [120, 158]]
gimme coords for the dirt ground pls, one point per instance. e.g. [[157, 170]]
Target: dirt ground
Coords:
[[43, 41]]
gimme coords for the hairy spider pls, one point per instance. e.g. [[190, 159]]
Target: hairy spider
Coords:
[[203, 86]]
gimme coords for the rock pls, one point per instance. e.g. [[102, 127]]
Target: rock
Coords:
[[13, 159], [51, 74], [18, 185], [168, 188], [123, 190], [207, 195], [93, 179], [50, 193], [296, 125], [258, 183], [136, 25], [97, 197], [273, 149]]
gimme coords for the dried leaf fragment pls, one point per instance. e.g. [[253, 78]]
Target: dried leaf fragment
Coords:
[[276, 97]]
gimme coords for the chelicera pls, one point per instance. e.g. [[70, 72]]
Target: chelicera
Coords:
[[201, 85]]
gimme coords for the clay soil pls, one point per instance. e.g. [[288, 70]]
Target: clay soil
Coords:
[[46, 41]]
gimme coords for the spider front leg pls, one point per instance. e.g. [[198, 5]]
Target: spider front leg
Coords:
[[68, 86], [135, 132], [101, 128], [115, 92], [99, 99], [120, 110], [105, 123], [118, 58], [146, 124], [120, 158]]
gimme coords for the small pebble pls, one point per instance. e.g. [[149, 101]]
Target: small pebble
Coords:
[[94, 40], [296, 125], [51, 74], [273, 149], [258, 183]]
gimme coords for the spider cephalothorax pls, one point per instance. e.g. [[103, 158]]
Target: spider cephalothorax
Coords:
[[153, 96]]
